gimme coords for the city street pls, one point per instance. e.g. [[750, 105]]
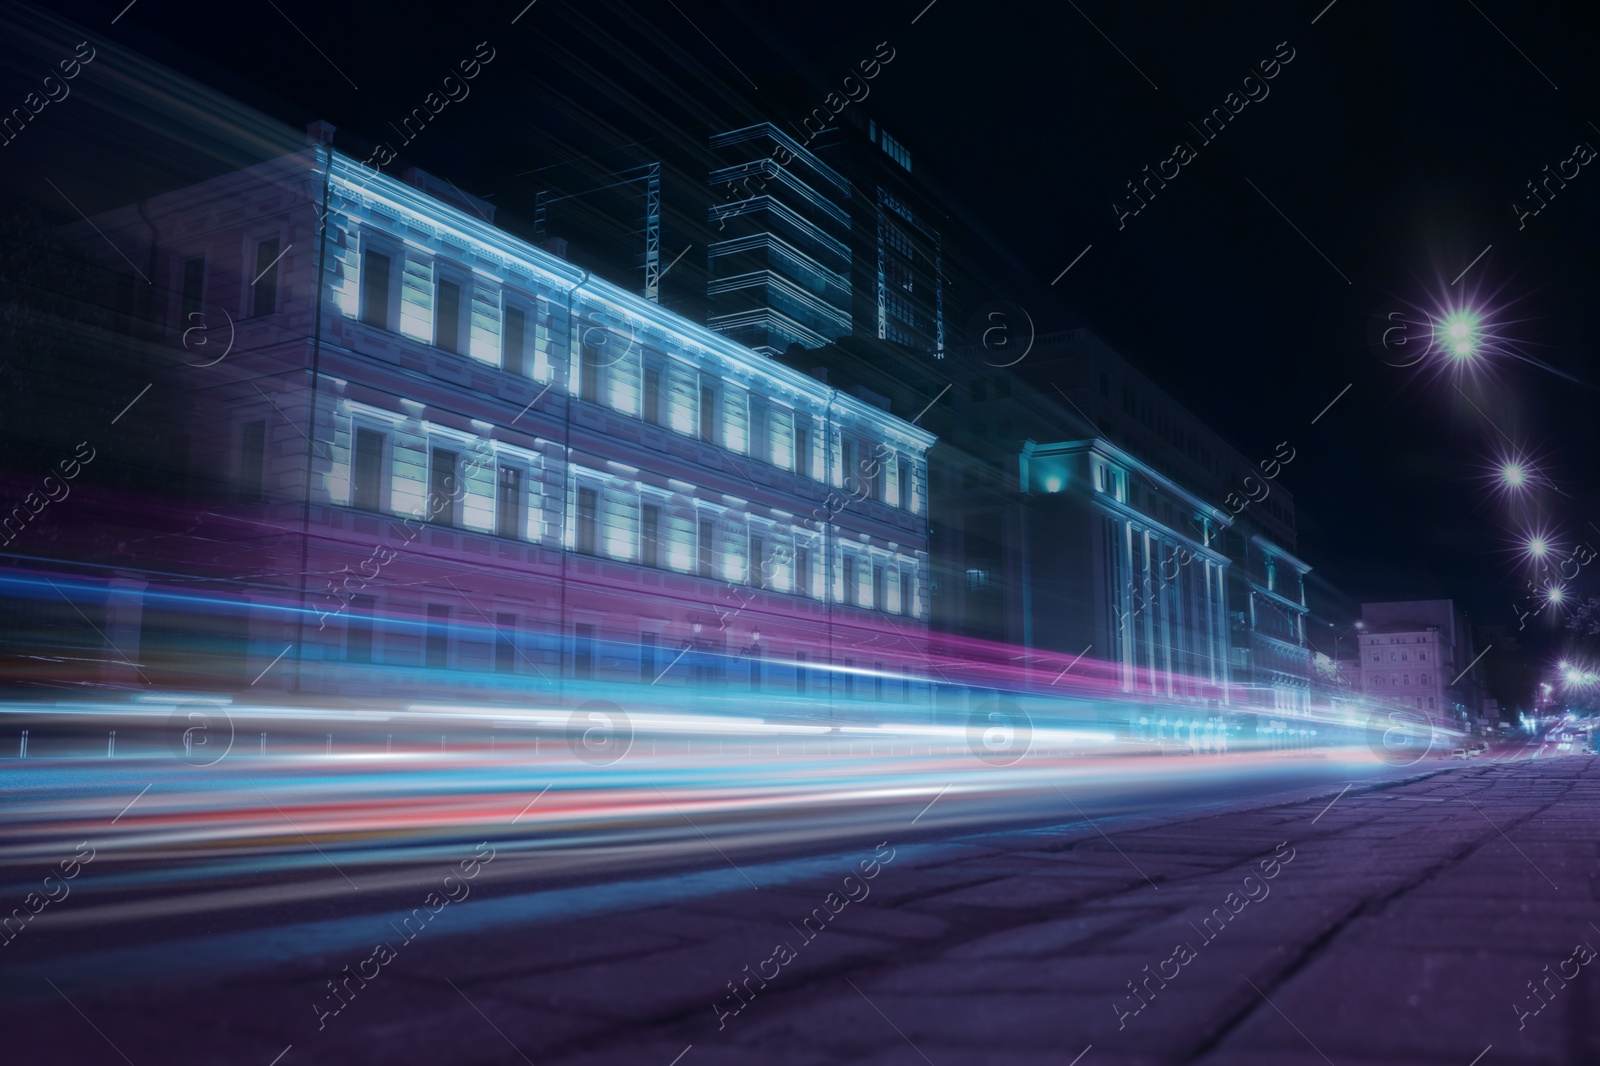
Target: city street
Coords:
[[1437, 913], [719, 534]]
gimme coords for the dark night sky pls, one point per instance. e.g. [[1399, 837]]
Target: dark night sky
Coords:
[[1396, 141]]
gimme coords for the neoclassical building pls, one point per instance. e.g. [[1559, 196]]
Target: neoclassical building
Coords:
[[446, 458], [1122, 564]]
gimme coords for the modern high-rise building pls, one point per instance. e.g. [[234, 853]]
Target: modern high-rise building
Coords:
[[825, 240]]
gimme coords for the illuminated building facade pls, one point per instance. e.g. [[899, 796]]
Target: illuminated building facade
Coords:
[[1108, 572], [1266, 599], [1417, 655], [1280, 663], [469, 463], [819, 243]]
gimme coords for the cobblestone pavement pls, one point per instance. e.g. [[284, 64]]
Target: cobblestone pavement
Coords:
[[1444, 918]]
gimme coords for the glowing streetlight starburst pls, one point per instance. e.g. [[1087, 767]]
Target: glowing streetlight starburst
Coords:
[[1513, 475], [1537, 547], [1459, 334], [1555, 594]]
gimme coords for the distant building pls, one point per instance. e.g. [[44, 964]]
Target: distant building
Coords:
[[1418, 654], [1247, 517], [1111, 565]]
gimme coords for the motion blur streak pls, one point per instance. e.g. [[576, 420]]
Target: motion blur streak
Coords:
[[301, 824]]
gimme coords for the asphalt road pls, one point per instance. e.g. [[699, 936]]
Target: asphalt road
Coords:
[[208, 908]]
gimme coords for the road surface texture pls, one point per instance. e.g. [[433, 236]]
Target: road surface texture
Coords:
[[1442, 916]]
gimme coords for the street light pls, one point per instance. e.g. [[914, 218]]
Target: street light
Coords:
[[1513, 475], [1537, 547], [1459, 334]]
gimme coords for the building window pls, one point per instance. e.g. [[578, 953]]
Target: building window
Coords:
[[1407, 679], [505, 644], [850, 590], [906, 584], [802, 572], [367, 471], [1375, 656], [650, 535], [583, 651], [899, 241], [804, 462], [652, 397], [708, 531], [358, 630], [878, 584], [375, 289], [977, 579], [904, 483], [895, 150], [588, 508], [264, 289], [447, 317], [757, 563], [1422, 680], [436, 650], [252, 461], [783, 439], [588, 373], [443, 486], [1430, 703], [508, 503], [513, 342], [736, 421], [898, 274], [708, 414], [1422, 656]]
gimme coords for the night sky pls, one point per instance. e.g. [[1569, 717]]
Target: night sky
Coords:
[[1391, 146]]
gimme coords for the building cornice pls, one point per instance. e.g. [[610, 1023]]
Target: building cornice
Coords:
[[355, 180]]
